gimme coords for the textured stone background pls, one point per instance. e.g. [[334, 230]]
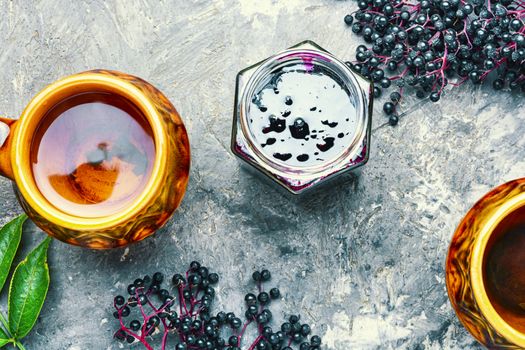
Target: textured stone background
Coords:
[[363, 262]]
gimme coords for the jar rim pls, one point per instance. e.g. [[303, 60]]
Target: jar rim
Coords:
[[311, 57]]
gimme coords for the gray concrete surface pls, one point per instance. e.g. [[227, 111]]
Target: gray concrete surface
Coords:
[[363, 262]]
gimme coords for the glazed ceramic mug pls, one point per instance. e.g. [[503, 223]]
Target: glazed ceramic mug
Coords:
[[485, 268], [99, 159]]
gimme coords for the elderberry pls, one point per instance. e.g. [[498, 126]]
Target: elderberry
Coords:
[[434, 97], [421, 46], [194, 327], [256, 276], [389, 108], [125, 311], [263, 298], [158, 277], [393, 120], [265, 275], [498, 84], [119, 300], [134, 325], [250, 299]]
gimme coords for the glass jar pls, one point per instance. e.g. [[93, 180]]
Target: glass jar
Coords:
[[302, 117]]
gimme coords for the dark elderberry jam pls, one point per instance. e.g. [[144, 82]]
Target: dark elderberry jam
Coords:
[[309, 111]]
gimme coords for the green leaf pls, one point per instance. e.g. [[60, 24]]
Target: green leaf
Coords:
[[10, 236], [4, 338], [3, 321], [28, 290]]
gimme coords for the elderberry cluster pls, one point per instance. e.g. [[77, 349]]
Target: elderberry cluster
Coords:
[[182, 313], [427, 44], [292, 332]]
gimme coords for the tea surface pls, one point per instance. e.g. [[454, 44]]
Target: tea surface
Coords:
[[92, 154], [505, 273]]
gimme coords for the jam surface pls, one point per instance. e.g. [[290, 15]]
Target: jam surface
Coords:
[[303, 117]]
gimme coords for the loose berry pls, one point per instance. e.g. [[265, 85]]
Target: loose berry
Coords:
[[389, 108], [265, 275], [275, 293], [158, 277], [315, 340], [134, 325], [125, 311], [194, 266], [139, 282], [213, 278], [119, 300], [395, 97], [142, 299], [132, 289], [236, 323], [250, 299], [256, 276], [286, 328], [434, 97], [304, 346], [233, 340], [305, 330], [263, 298], [393, 120]]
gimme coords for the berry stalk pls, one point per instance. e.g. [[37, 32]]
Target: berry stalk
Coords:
[[427, 45]]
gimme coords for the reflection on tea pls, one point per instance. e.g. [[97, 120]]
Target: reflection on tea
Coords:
[[92, 154]]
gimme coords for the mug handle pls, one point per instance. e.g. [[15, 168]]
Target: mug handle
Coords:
[[6, 143]]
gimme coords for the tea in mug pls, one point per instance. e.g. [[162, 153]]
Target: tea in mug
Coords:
[[504, 270], [92, 154]]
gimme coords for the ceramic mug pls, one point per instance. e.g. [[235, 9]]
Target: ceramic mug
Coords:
[[469, 279], [163, 189]]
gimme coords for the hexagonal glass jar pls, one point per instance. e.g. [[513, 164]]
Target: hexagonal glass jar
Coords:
[[302, 117]]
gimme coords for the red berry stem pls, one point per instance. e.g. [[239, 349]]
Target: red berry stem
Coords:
[[430, 44], [128, 331], [194, 327], [256, 342]]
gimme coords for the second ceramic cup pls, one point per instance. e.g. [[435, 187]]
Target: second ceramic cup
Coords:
[[100, 159], [485, 268]]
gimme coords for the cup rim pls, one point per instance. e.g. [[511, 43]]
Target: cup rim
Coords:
[[476, 269], [35, 110]]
